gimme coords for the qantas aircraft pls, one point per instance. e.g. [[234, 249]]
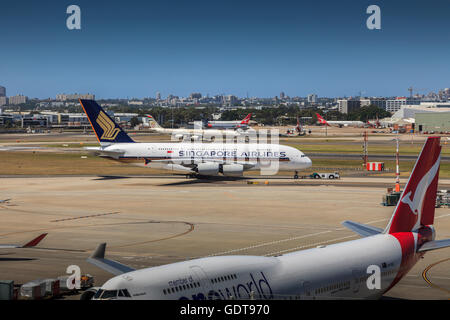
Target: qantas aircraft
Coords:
[[193, 134], [198, 159], [340, 124], [360, 269], [230, 124], [30, 244]]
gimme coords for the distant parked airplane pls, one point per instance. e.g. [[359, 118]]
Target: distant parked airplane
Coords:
[[339, 124], [30, 244], [230, 124], [193, 134]]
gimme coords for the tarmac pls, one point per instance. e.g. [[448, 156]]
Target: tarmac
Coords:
[[155, 220]]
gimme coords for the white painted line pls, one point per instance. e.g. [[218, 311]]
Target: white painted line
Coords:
[[309, 245]]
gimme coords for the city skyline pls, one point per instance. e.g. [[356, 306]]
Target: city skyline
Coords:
[[255, 48]]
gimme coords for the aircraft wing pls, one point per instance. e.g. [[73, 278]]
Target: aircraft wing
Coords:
[[30, 244], [361, 229], [114, 267], [435, 244]]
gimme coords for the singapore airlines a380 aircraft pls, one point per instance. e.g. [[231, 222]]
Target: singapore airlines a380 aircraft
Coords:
[[338, 271], [202, 159]]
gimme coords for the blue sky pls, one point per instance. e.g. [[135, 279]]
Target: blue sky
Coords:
[[135, 48]]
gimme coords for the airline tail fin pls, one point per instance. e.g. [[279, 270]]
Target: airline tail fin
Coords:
[[321, 120], [246, 119], [298, 128], [417, 202], [105, 128], [98, 259], [153, 123], [35, 241]]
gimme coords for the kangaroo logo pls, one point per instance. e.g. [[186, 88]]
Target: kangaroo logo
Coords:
[[421, 189], [110, 131]]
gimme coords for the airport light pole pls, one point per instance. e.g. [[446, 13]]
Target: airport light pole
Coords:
[[397, 169]]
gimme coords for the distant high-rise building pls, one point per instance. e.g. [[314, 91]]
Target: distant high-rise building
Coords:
[[282, 95], [312, 98], [379, 102], [2, 91], [19, 99], [395, 104], [3, 101], [348, 105], [158, 95], [195, 95]]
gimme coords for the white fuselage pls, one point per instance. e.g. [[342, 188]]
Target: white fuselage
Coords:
[[184, 156], [206, 134], [329, 272], [346, 123]]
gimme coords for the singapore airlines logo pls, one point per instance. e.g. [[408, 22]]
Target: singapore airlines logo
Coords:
[[110, 131], [421, 189]]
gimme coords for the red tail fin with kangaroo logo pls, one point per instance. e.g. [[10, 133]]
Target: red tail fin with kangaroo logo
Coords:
[[416, 205], [246, 119], [321, 120]]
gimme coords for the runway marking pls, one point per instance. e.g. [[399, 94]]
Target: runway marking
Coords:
[[286, 240], [268, 243], [82, 217], [425, 276], [191, 228], [309, 245]]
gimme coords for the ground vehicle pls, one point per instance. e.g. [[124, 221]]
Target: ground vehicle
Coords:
[[318, 175]]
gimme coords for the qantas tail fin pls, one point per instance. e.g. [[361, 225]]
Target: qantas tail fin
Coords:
[[106, 130], [417, 201], [153, 123], [321, 120], [246, 119]]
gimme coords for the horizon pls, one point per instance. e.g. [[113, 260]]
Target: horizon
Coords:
[[255, 48]]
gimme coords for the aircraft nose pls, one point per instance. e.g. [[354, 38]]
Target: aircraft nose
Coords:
[[308, 162]]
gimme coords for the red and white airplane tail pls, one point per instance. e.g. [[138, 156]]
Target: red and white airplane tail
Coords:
[[246, 119], [415, 208], [321, 120], [298, 128]]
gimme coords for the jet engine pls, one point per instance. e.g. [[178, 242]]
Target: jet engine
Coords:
[[232, 169], [179, 137], [207, 169], [196, 138]]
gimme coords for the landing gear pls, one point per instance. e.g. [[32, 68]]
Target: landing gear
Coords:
[[296, 175]]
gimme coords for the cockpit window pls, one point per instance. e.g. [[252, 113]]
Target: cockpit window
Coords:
[[98, 294], [124, 293], [108, 294]]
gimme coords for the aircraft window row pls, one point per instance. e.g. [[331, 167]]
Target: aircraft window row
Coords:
[[181, 288], [331, 287], [224, 278]]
